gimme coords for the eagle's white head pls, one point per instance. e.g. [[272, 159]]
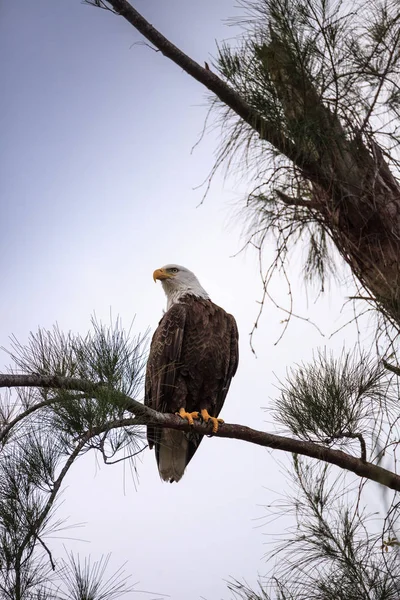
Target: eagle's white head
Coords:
[[177, 282]]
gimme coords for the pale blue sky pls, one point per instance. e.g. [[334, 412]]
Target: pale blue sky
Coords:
[[97, 190]]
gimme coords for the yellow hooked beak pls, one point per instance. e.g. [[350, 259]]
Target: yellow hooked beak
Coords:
[[161, 274]]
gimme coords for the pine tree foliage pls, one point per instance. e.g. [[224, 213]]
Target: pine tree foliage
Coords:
[[335, 549], [324, 76], [337, 398], [86, 580], [39, 447], [332, 551]]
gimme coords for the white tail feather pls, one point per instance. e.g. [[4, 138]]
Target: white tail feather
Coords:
[[173, 455]]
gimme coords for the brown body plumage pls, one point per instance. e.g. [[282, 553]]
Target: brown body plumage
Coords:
[[193, 357]]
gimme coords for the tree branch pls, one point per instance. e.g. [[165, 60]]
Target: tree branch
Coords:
[[57, 382], [289, 201], [391, 368], [147, 416], [52, 563], [266, 130], [33, 408], [352, 436]]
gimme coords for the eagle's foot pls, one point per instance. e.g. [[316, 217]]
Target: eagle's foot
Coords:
[[215, 422], [189, 416]]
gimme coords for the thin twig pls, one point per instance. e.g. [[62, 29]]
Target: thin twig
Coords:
[[352, 436], [392, 368], [53, 566], [289, 201]]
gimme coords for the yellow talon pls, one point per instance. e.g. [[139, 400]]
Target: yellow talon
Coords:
[[206, 417], [189, 416]]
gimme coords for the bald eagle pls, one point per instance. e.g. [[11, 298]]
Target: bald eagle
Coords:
[[193, 357]]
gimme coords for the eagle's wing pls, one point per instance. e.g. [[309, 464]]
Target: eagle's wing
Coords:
[[232, 335], [228, 350], [163, 363]]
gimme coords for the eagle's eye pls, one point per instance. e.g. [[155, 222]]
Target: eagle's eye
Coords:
[[173, 270]]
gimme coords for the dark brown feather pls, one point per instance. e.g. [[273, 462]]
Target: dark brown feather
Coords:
[[193, 357]]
